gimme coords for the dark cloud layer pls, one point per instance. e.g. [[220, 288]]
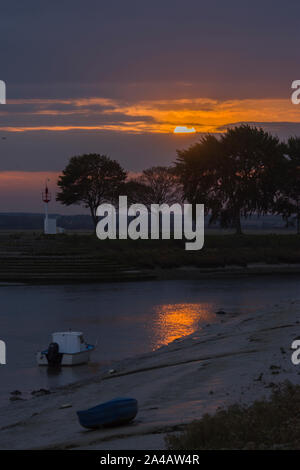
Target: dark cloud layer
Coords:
[[217, 45]]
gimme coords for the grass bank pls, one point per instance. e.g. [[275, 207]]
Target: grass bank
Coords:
[[34, 257], [272, 424], [218, 251]]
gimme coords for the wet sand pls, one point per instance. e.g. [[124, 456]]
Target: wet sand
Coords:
[[225, 362]]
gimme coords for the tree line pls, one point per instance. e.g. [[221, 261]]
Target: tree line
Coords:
[[242, 172]]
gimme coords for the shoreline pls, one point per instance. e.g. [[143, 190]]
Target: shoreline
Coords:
[[155, 274], [225, 362], [253, 269]]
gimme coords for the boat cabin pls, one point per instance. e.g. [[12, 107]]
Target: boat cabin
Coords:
[[69, 342]]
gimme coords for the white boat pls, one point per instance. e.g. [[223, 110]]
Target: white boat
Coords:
[[68, 348]]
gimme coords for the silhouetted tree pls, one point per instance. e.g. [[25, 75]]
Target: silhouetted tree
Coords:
[[250, 172], [288, 201], [198, 171], [136, 191], [155, 185], [233, 176], [90, 180]]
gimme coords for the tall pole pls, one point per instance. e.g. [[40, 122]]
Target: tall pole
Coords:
[[46, 212], [46, 196]]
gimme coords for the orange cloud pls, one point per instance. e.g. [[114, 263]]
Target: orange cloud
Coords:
[[23, 180], [152, 116]]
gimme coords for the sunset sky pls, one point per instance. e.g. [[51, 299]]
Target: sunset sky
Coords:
[[118, 77]]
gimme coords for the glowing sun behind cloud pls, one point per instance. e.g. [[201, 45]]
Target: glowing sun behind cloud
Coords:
[[184, 130]]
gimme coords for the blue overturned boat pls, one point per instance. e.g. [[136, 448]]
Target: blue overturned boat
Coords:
[[111, 413]]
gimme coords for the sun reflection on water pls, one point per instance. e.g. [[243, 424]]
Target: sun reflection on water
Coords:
[[173, 321]]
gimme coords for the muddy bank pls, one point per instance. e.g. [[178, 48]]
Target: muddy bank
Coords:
[[61, 269], [232, 360], [230, 271]]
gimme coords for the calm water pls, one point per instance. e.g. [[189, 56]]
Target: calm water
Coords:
[[127, 319]]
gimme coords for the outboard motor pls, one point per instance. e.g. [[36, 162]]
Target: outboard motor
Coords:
[[54, 357]]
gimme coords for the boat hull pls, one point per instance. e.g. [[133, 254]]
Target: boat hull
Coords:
[[75, 359], [112, 413]]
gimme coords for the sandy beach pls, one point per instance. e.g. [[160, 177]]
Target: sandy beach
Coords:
[[229, 361]]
